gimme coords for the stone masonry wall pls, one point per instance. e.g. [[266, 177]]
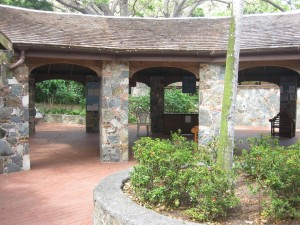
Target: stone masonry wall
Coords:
[[114, 111], [211, 88], [256, 105], [298, 110], [14, 116]]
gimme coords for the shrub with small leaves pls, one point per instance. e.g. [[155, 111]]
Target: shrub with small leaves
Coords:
[[276, 170], [176, 173]]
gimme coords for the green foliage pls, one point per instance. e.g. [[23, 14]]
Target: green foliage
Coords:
[[31, 4], [64, 111], [175, 102], [138, 103], [276, 170], [178, 102], [258, 6], [198, 12], [61, 109], [60, 92], [176, 173]]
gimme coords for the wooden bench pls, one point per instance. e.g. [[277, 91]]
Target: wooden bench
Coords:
[[283, 125]]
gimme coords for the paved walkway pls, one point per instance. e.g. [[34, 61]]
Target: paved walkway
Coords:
[[58, 189], [65, 168]]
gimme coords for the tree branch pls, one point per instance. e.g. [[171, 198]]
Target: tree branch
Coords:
[[76, 6], [105, 9], [114, 5], [274, 5], [123, 7], [166, 8], [133, 8], [178, 8], [196, 4]]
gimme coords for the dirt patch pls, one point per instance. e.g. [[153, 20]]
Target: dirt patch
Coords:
[[246, 213]]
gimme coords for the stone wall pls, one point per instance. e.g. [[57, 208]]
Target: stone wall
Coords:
[[256, 105], [298, 110], [113, 207], [211, 88], [14, 116], [114, 113]]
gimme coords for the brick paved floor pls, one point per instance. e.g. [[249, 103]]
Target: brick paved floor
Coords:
[[58, 189], [65, 168]]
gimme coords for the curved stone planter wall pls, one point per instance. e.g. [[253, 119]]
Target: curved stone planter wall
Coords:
[[113, 207]]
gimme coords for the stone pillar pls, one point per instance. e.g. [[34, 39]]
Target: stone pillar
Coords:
[[156, 104], [92, 104], [32, 90], [298, 110], [211, 88], [288, 97], [14, 117], [114, 111]]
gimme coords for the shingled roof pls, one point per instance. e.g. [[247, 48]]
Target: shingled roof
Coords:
[[117, 35]]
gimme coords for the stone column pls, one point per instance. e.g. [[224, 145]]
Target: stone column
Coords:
[[298, 110], [114, 111], [156, 103], [92, 104], [288, 97], [32, 90], [14, 117], [211, 88]]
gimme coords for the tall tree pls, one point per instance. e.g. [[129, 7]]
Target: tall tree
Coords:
[[226, 141], [155, 8], [149, 8], [173, 8]]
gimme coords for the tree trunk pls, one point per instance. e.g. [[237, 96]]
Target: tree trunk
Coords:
[[124, 8], [226, 141]]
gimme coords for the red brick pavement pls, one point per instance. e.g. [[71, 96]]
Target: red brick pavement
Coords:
[[65, 168], [58, 189]]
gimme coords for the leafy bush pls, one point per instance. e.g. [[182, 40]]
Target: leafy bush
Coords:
[[276, 170], [141, 103], [175, 102], [176, 173], [60, 92], [178, 102], [61, 109]]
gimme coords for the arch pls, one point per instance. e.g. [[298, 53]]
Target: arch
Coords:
[[62, 71], [157, 78], [170, 75], [269, 74], [73, 72], [287, 79]]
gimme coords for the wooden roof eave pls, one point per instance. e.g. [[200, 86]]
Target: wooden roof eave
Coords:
[[75, 52]]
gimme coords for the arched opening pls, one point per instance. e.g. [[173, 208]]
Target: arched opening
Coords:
[[71, 137], [263, 92], [162, 82]]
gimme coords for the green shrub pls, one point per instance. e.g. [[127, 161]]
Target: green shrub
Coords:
[[63, 111], [176, 173], [276, 170], [175, 102], [136, 103], [178, 102]]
